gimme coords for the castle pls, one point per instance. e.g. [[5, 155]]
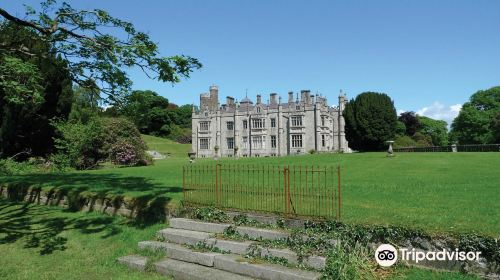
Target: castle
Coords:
[[267, 129]]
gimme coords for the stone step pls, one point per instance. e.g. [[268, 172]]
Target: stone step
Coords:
[[182, 236], [189, 237], [180, 270], [252, 232], [194, 225], [181, 253], [239, 265], [134, 262]]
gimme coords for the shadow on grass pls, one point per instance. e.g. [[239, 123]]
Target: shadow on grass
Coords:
[[40, 227], [147, 199]]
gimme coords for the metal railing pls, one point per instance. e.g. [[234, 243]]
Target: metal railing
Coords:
[[453, 148], [291, 190]]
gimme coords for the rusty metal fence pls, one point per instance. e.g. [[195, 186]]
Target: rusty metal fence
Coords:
[[291, 190]]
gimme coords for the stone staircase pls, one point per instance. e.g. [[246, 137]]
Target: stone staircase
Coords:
[[184, 262]]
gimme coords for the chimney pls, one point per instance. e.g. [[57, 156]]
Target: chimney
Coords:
[[290, 97], [259, 99], [230, 101], [214, 98], [305, 96], [274, 101]]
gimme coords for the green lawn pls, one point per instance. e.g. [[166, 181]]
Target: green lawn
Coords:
[[167, 146], [41, 242], [439, 192], [44, 242]]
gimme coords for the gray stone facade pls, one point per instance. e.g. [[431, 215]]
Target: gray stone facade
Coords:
[[275, 128]]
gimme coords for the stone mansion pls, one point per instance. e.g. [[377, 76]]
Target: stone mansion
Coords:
[[274, 128]]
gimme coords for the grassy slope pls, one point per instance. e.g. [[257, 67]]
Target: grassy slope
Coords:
[[42, 242], [166, 146], [440, 192]]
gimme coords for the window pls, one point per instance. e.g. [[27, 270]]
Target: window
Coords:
[[245, 142], [258, 109], [273, 141], [230, 125], [258, 142], [258, 123], [322, 120], [273, 122], [245, 124], [204, 126], [297, 107], [296, 141], [296, 120], [323, 141], [230, 143], [204, 143]]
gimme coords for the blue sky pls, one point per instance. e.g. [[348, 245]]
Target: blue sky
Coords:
[[429, 56]]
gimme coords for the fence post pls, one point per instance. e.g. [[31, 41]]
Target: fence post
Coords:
[[184, 183], [217, 182], [339, 196], [286, 191]]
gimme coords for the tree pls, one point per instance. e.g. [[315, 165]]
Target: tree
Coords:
[[496, 127], [475, 124], [370, 121], [148, 111], [85, 105], [97, 48], [436, 129], [34, 89], [410, 121]]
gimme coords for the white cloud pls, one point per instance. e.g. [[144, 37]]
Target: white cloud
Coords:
[[441, 112]]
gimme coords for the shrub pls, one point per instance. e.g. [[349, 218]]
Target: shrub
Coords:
[[10, 167], [80, 145], [123, 142], [83, 146], [180, 135], [124, 153], [422, 140], [404, 141]]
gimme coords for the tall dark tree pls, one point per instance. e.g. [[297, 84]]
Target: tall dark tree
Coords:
[[34, 89], [410, 121], [370, 121], [475, 124]]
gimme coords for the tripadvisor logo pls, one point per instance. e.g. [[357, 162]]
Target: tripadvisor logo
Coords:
[[386, 255]]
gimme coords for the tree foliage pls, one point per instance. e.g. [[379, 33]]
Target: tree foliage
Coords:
[[85, 105], [476, 122], [96, 46], [148, 111], [370, 121], [436, 129], [411, 122], [33, 90]]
